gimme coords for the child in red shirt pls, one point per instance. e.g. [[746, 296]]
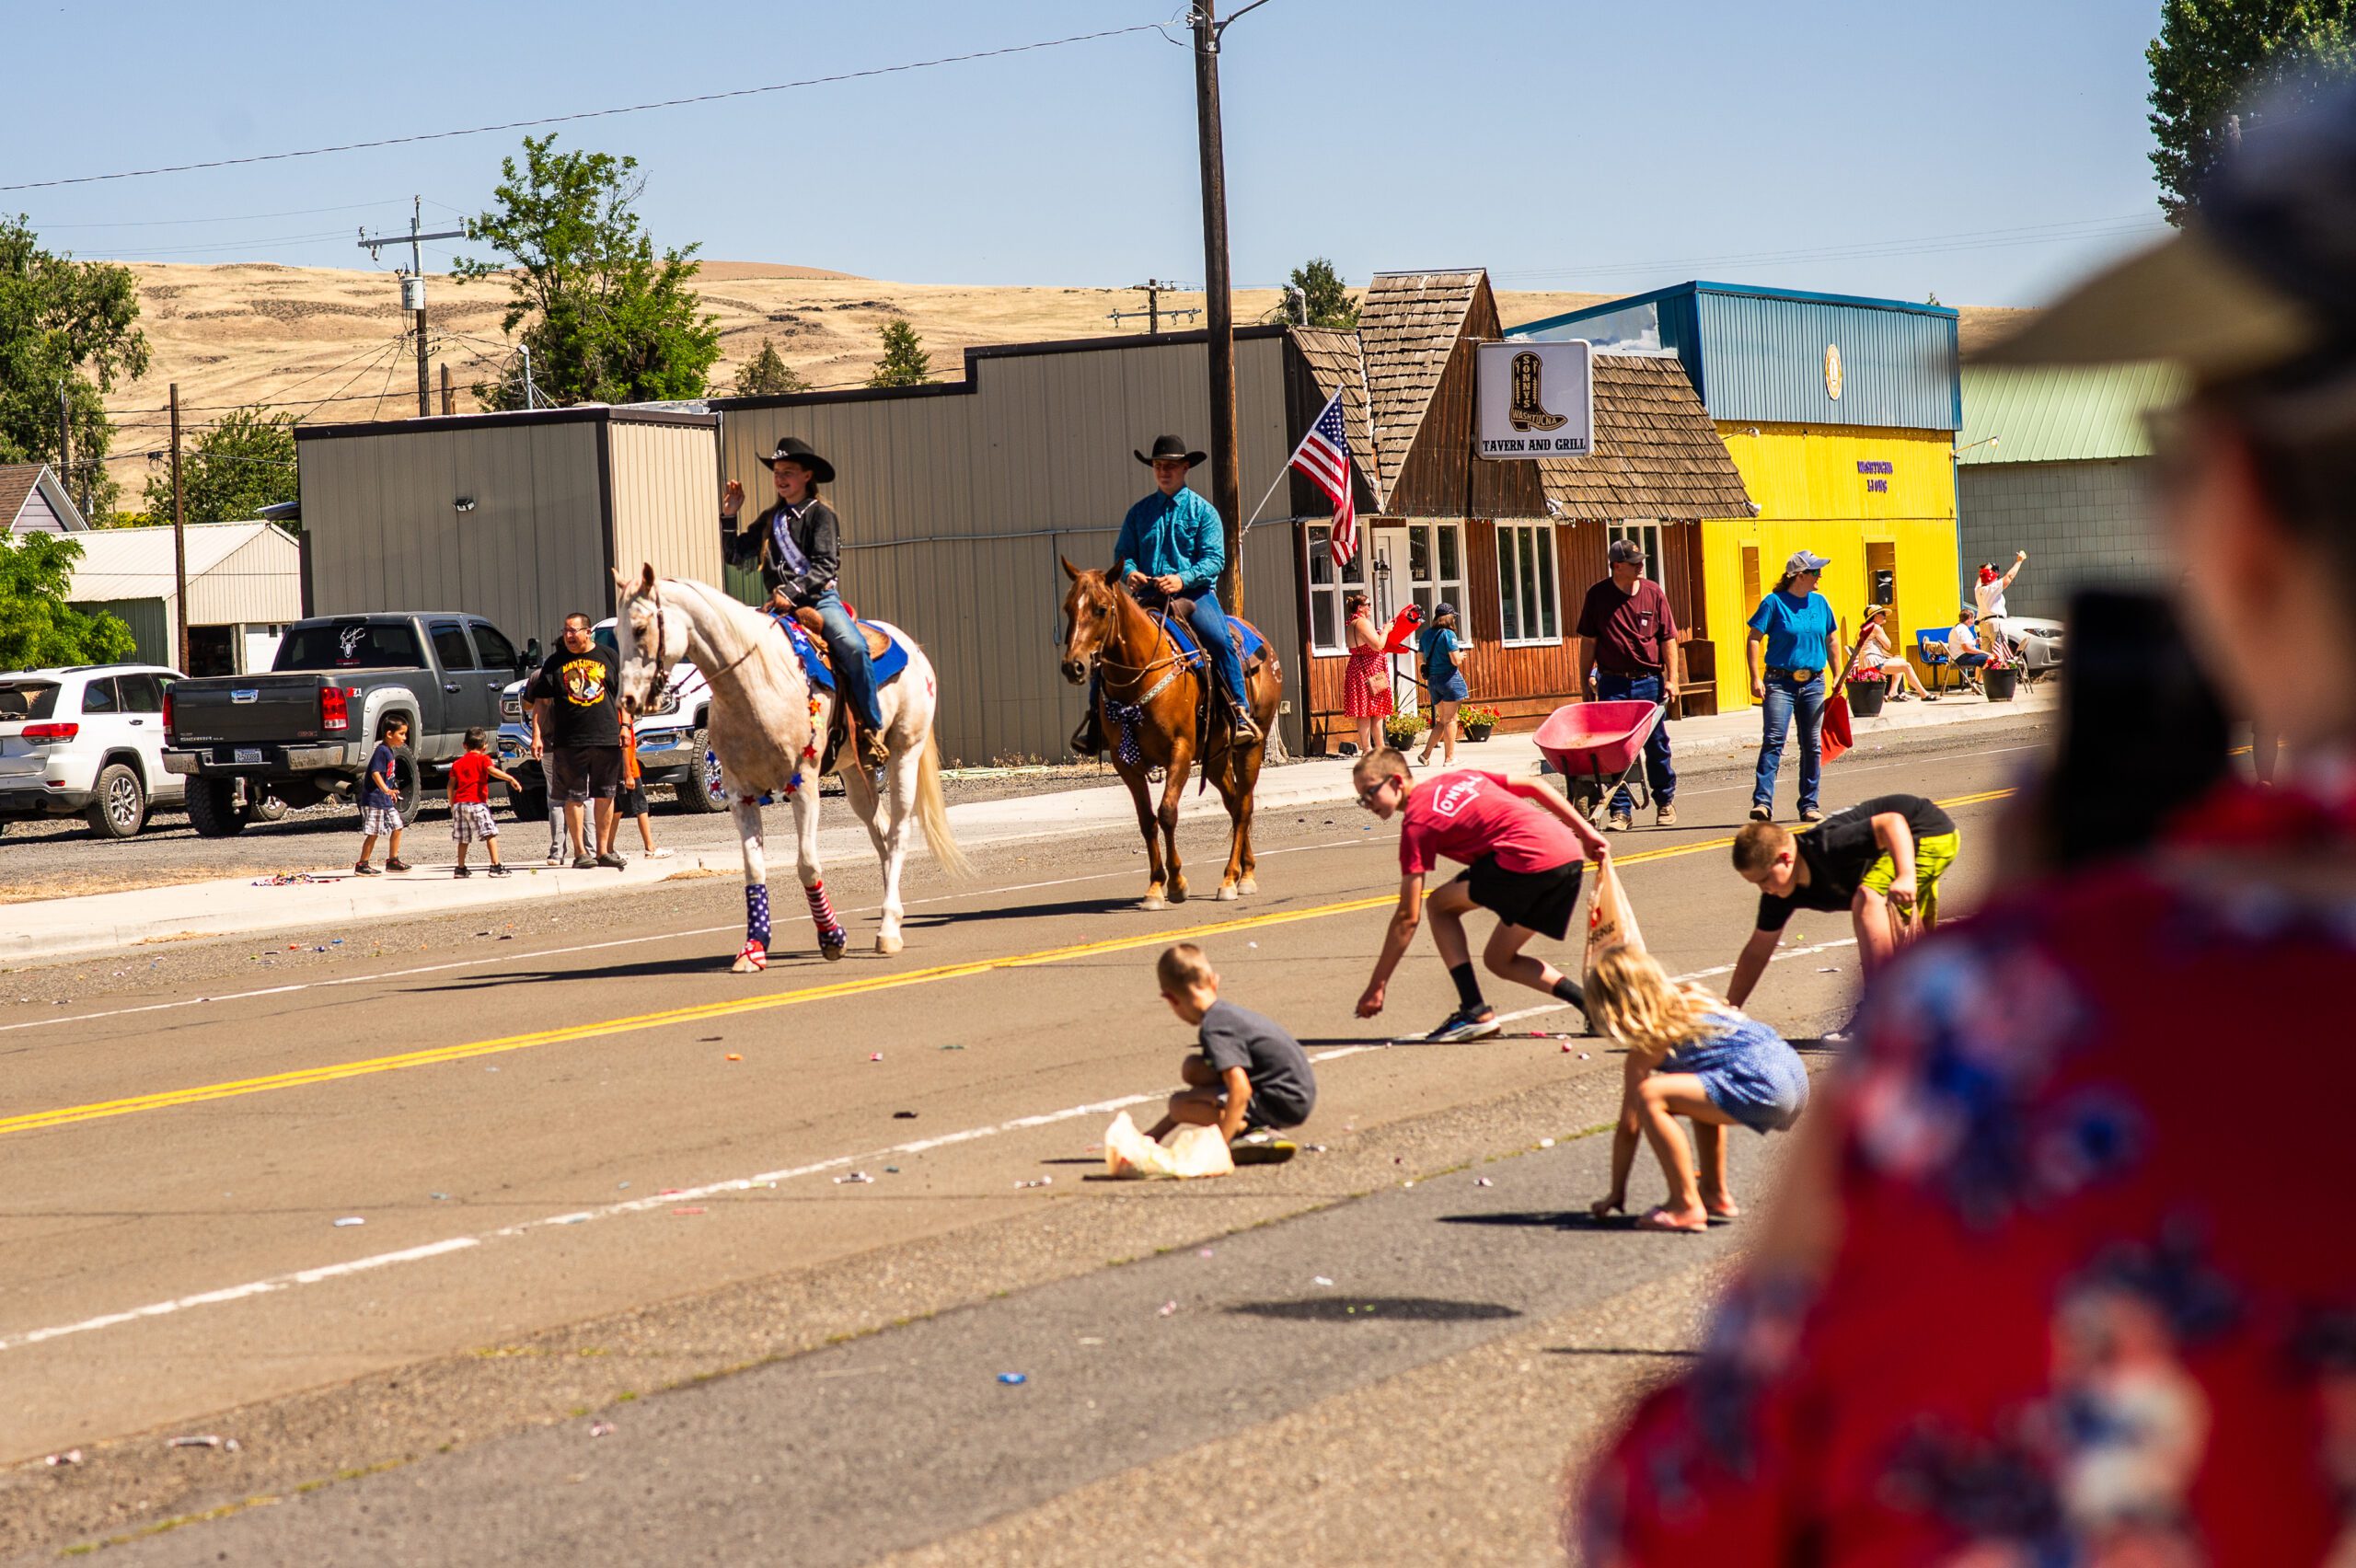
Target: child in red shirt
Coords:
[[1524, 848], [470, 819]]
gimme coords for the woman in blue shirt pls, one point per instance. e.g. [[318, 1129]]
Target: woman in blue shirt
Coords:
[[1794, 629], [1443, 657]]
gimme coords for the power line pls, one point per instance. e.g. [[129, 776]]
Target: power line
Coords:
[[227, 217], [586, 114]]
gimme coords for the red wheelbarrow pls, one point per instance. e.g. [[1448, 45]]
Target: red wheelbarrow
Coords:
[[1599, 747]]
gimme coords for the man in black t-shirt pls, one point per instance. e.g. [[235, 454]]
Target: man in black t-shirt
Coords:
[[1879, 855], [577, 736]]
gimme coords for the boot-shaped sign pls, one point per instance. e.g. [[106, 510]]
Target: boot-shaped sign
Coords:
[[1537, 400]]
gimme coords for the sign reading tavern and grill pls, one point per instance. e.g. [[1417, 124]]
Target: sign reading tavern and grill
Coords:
[[1537, 400]]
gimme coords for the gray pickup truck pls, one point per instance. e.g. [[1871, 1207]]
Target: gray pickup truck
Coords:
[[302, 732]]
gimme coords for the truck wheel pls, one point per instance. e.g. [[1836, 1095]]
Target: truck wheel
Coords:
[[704, 793], [212, 810], [120, 808], [529, 805]]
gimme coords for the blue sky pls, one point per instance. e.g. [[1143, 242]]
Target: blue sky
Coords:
[[1987, 151]]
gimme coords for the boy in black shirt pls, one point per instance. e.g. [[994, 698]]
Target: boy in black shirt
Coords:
[[1252, 1076], [1887, 852]]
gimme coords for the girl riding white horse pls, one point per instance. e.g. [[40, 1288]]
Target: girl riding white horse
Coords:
[[769, 729]]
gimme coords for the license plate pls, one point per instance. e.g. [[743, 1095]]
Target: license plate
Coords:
[[248, 753]]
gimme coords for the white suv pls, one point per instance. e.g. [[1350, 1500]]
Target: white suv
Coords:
[[89, 739]]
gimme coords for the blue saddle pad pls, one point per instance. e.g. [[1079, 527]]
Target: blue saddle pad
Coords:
[[1189, 645], [814, 666]]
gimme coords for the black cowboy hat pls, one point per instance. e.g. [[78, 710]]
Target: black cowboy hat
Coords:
[[800, 452], [1169, 446]]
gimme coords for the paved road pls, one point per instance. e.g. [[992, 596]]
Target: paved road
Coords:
[[573, 1198]]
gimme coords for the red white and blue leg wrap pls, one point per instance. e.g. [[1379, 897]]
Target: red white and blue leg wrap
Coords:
[[822, 914], [756, 927]]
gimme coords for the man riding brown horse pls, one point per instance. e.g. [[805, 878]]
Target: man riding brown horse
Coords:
[[1171, 552]]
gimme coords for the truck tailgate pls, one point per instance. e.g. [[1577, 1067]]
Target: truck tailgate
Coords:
[[229, 709]]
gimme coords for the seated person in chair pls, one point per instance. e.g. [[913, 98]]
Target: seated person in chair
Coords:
[[1172, 547], [1963, 648], [798, 544]]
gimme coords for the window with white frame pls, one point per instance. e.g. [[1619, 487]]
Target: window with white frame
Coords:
[[1436, 569], [1648, 538], [1528, 602], [1328, 588]]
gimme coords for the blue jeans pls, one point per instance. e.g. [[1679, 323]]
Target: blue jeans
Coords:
[[1660, 778], [1787, 696], [853, 670], [1210, 629]]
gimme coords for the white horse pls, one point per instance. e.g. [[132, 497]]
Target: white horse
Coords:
[[768, 731]]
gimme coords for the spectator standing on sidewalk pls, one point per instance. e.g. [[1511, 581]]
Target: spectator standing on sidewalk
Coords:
[[1366, 684], [1988, 597], [1793, 641], [631, 801], [470, 818], [577, 739], [2017, 1300], [1626, 651], [1443, 659], [536, 693], [380, 801]]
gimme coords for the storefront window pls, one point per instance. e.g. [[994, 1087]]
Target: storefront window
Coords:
[[1648, 538], [1528, 604], [1327, 589], [1435, 568]]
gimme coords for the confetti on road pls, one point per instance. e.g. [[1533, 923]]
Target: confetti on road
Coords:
[[735, 1057], [601, 1429], [70, 1457], [1011, 1378], [1168, 1308], [205, 1440], [350, 1220], [687, 1211]]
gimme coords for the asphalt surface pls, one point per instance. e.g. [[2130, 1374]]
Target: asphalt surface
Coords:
[[573, 1200]]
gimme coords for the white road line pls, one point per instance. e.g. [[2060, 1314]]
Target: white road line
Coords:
[[690, 1195]]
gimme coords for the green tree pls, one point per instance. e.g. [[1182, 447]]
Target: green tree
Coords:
[[904, 362], [37, 629], [1328, 303], [231, 472], [607, 319], [767, 374], [64, 323], [2215, 59]]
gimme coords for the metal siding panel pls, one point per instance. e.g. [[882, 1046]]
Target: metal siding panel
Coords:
[[260, 581], [663, 505], [1762, 358]]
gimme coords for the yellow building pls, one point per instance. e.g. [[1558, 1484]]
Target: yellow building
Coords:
[[1840, 415]]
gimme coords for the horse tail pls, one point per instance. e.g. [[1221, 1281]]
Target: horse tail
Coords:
[[933, 810]]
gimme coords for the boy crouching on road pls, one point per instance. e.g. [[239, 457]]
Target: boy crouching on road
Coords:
[[470, 818], [1251, 1078]]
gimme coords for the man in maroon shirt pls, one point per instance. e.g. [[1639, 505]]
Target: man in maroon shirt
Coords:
[[1523, 847], [1627, 650]]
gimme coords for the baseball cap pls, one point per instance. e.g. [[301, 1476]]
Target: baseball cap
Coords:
[[1442, 610], [2262, 273], [1806, 560], [1626, 550]]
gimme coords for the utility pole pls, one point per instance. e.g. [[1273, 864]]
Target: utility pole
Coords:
[[1226, 471], [64, 441], [413, 283], [180, 538], [449, 399], [1154, 289]]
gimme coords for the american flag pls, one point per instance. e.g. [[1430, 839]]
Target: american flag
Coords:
[[1324, 455]]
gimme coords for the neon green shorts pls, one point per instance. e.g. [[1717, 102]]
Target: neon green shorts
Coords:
[[1933, 856]]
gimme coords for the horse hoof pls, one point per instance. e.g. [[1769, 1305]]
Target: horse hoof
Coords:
[[1155, 901], [888, 944], [1249, 884], [1177, 893], [748, 964], [831, 951], [1227, 892]]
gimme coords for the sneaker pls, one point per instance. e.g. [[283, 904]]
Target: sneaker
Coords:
[[1621, 821], [1666, 816], [657, 854], [363, 869], [585, 862], [1762, 813], [462, 871], [1462, 1024], [553, 860], [1809, 814], [611, 859], [497, 870], [397, 865]]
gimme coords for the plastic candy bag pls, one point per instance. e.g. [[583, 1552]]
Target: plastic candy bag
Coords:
[[1191, 1152]]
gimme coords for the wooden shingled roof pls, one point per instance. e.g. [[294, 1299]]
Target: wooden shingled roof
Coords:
[[1335, 365], [1408, 326], [1657, 456]]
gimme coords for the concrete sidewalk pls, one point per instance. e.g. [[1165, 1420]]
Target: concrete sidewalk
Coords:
[[65, 927]]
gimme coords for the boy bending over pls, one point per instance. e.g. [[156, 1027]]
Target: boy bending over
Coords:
[[1885, 853], [1251, 1078]]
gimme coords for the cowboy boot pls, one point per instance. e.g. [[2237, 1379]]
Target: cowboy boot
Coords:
[[874, 751], [1246, 730], [1527, 412]]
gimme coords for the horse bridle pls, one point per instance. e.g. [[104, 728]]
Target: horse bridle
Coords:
[[655, 693], [1176, 659]]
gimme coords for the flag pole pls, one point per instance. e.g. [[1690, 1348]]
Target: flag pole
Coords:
[[1272, 490]]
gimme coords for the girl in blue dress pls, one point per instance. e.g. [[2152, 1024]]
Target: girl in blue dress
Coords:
[[1690, 1054]]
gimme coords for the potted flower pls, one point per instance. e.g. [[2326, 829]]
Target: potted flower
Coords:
[[1998, 676], [1477, 722], [1400, 729], [1867, 688]]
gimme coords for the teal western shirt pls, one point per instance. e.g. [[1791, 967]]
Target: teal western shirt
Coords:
[[1173, 536]]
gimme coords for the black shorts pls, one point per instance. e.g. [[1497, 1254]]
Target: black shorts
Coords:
[[631, 800], [582, 773], [1539, 901]]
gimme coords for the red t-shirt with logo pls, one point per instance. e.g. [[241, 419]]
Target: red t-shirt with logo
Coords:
[[1464, 815], [471, 779]]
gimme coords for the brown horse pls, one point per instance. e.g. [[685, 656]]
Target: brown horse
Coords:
[[1150, 692]]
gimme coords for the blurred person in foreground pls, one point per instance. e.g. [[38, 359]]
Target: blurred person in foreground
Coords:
[[2035, 1291]]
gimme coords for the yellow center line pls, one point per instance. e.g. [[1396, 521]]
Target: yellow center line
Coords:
[[165, 1100]]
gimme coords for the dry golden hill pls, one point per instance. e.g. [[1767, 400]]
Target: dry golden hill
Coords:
[[327, 343]]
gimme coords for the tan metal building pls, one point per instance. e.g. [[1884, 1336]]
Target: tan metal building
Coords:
[[244, 583], [956, 500], [520, 518]]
